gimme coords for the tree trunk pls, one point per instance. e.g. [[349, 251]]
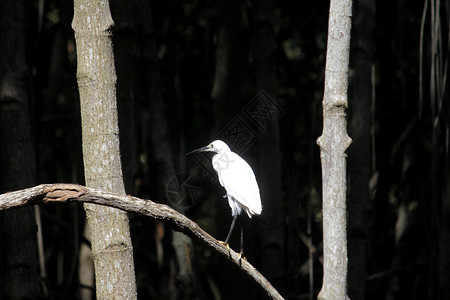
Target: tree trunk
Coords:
[[159, 150], [360, 152], [264, 49], [230, 86], [64, 193], [110, 234], [333, 143], [444, 254], [19, 265]]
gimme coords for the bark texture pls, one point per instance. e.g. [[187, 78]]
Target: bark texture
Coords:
[[19, 277], [110, 234], [63, 193], [333, 143]]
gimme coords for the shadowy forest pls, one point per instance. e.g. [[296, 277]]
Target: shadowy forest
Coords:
[[252, 74]]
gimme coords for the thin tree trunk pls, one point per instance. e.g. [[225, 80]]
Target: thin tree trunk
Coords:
[[438, 101], [333, 143], [444, 253], [230, 86], [264, 49], [110, 234], [161, 150], [360, 152], [20, 278]]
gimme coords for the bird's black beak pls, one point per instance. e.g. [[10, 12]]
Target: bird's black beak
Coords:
[[198, 150]]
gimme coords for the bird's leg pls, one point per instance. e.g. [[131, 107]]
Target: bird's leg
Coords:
[[242, 240], [231, 229], [229, 233], [241, 253]]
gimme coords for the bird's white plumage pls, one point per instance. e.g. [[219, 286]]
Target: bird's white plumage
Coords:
[[238, 179]]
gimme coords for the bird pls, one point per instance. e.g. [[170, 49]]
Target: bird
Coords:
[[239, 181]]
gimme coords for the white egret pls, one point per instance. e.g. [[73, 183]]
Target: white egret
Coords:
[[239, 181]]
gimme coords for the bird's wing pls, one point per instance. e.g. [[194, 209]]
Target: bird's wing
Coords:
[[238, 179]]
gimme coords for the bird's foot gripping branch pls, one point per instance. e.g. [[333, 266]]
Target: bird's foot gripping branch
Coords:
[[65, 193]]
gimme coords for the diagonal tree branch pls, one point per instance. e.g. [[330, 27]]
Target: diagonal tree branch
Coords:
[[64, 193]]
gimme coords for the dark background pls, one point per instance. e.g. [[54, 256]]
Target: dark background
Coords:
[[252, 73]]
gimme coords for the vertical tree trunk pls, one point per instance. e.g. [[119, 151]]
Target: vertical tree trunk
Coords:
[[161, 149], [110, 234], [264, 49], [19, 277], [333, 143], [360, 152], [439, 115], [444, 245], [230, 86]]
